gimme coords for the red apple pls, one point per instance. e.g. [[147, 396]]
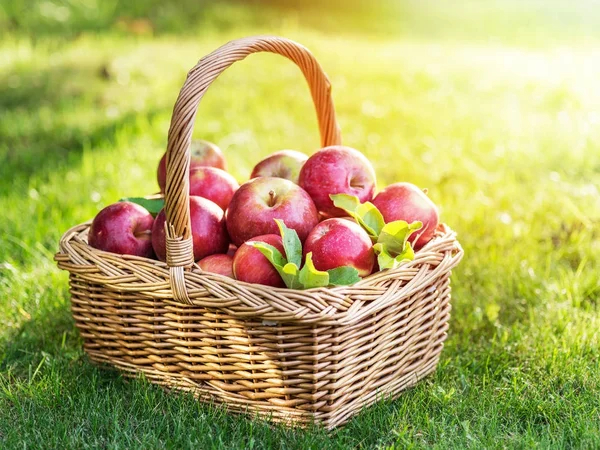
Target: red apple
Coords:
[[258, 202], [123, 228], [251, 266], [202, 153], [283, 164], [209, 232], [213, 184], [340, 242], [218, 263], [337, 170], [405, 201]]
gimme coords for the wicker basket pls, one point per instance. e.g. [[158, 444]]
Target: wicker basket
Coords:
[[294, 356]]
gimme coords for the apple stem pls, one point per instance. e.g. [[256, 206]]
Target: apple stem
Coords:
[[271, 197], [425, 190]]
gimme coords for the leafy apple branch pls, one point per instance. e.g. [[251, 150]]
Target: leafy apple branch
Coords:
[[390, 240], [290, 268]]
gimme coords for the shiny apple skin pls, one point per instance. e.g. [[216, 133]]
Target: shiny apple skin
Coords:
[[251, 266], [202, 153], [219, 263], [405, 201], [124, 228], [337, 170], [258, 202], [209, 233], [340, 242], [282, 164], [213, 184]]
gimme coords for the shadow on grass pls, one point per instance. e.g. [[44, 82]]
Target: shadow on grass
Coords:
[[33, 141]]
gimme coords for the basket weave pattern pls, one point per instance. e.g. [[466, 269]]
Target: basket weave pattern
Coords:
[[294, 356]]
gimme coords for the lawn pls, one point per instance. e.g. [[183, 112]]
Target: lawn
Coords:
[[493, 106]]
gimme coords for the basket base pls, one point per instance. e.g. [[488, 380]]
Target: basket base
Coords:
[[277, 414]]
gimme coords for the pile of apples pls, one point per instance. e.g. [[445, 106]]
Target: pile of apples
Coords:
[[285, 226]]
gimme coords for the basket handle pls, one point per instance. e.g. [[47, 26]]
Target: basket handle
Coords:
[[178, 227]]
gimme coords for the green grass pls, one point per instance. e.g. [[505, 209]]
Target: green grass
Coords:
[[494, 107]]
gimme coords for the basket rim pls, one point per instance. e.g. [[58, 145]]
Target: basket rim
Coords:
[[443, 230], [324, 305]]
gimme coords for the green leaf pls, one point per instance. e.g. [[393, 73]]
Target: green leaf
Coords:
[[366, 214], [392, 247], [394, 235], [371, 216], [287, 271], [291, 243], [386, 260], [290, 273], [310, 277], [343, 276], [153, 205], [348, 203], [271, 253]]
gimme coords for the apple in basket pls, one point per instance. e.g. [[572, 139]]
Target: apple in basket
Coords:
[[340, 242], [405, 201], [213, 184], [251, 266], [218, 263], [202, 153], [283, 164], [123, 228], [258, 202], [209, 233], [337, 170]]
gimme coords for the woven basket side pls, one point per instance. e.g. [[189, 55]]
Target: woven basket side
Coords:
[[389, 351], [287, 372]]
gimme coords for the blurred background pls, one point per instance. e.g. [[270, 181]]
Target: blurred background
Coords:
[[494, 106], [509, 21]]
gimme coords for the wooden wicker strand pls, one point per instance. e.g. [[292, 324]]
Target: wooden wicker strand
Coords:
[[291, 356], [180, 254]]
